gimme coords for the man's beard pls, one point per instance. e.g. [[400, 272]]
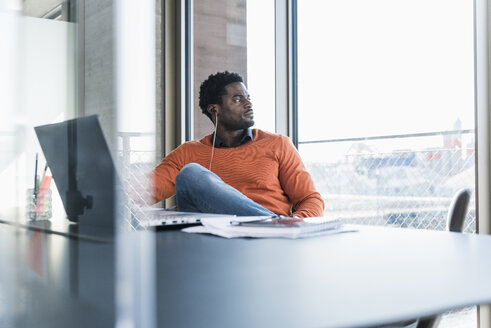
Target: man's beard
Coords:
[[238, 126]]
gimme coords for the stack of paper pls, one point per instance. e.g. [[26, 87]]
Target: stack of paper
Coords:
[[228, 228]]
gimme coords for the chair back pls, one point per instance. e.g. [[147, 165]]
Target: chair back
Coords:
[[455, 222], [458, 210]]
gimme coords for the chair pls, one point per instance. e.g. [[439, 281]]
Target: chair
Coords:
[[458, 210], [455, 222]]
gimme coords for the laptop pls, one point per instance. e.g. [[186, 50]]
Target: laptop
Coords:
[[87, 181]]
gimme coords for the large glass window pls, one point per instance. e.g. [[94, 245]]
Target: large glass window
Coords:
[[386, 106], [238, 36]]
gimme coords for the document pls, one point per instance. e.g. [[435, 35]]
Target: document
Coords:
[[264, 227]]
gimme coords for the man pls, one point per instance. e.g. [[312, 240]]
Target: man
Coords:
[[236, 170]]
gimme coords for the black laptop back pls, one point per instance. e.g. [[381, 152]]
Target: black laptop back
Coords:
[[84, 172]]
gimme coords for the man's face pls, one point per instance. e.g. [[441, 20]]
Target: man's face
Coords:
[[236, 112]]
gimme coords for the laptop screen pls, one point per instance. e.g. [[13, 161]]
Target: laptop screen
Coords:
[[82, 168]]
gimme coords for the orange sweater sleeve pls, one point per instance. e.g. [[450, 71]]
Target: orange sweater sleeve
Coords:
[[164, 175], [297, 182]]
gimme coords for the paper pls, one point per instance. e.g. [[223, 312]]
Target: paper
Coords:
[[222, 227]]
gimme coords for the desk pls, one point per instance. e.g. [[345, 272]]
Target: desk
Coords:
[[373, 276]]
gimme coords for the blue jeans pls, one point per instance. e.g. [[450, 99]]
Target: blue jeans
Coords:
[[200, 190]]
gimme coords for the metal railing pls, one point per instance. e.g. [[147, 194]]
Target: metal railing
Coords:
[[405, 188], [136, 161]]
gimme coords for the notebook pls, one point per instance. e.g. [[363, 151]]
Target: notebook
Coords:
[[87, 181], [270, 227]]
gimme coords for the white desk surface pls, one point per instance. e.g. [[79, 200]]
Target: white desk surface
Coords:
[[374, 276], [370, 277]]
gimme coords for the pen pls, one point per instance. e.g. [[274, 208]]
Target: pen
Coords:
[[43, 177], [263, 219], [35, 191]]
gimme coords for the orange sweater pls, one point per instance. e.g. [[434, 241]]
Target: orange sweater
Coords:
[[268, 170]]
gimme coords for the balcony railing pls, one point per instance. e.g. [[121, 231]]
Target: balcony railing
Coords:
[[365, 181]]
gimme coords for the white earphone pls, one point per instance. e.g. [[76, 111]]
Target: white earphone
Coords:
[[214, 138]]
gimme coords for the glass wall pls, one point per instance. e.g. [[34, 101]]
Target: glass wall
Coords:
[[48, 78], [237, 36], [38, 86]]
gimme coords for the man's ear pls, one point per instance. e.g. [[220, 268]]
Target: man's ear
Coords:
[[212, 109]]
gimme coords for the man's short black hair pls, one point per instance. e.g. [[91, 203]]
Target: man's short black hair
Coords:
[[213, 88]]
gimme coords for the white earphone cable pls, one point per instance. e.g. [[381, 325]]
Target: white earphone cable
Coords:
[[214, 138]]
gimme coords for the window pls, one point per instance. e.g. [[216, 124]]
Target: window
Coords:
[[386, 106]]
